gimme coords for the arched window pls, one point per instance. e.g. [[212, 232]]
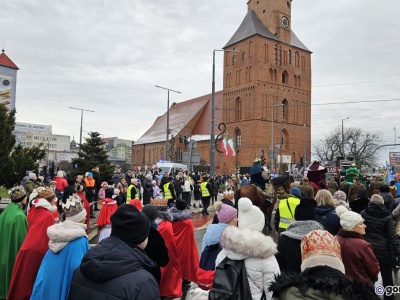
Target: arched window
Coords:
[[137, 156], [148, 155], [238, 135], [295, 80], [285, 77], [285, 139], [238, 109], [296, 59], [285, 109], [289, 57], [299, 81], [271, 75], [233, 59], [275, 75], [244, 55]]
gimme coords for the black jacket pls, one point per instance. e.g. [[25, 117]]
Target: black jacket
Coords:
[[114, 270], [380, 232], [178, 186], [158, 252], [68, 191]]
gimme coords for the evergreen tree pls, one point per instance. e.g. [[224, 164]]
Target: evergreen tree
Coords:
[[15, 160], [92, 155]]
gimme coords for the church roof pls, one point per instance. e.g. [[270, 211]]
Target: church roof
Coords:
[[5, 61], [252, 25], [182, 113]]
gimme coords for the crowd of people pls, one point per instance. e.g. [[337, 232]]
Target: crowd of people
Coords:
[[331, 244]]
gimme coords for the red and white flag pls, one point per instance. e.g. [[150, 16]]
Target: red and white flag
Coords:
[[224, 146], [231, 147]]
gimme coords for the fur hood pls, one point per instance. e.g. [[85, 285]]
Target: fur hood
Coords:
[[324, 280], [298, 229], [62, 233], [164, 215], [46, 204], [242, 243], [179, 215]]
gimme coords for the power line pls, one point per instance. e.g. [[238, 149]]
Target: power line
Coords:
[[361, 101]]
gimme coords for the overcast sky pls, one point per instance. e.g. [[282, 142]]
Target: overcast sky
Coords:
[[107, 56]]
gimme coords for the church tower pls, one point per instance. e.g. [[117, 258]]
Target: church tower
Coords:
[[267, 89]]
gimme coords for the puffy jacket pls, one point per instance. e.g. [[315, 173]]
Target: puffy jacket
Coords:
[[327, 217], [380, 232], [258, 252], [114, 270]]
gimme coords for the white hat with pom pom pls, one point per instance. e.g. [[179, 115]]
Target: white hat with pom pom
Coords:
[[250, 216], [348, 219]]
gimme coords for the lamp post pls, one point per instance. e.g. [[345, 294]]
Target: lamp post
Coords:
[[81, 109], [190, 145], [343, 135], [212, 139], [166, 139], [394, 135], [305, 149], [272, 136]]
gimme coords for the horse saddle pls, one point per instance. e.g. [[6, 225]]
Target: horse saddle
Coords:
[[266, 194]]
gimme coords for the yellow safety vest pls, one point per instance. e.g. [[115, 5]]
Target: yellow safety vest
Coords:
[[204, 190], [129, 192], [286, 215], [167, 192]]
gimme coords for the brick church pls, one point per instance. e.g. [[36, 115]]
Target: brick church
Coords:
[[267, 88]]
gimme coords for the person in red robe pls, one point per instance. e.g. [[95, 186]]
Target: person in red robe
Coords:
[[171, 274], [34, 246], [137, 203], [104, 221], [184, 240], [86, 205]]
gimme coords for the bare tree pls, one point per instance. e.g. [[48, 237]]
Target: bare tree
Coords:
[[357, 143]]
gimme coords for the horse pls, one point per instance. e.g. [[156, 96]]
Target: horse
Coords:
[[258, 199]]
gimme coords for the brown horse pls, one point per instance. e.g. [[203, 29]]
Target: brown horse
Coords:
[[253, 193]]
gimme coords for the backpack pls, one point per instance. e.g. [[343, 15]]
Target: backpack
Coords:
[[230, 281]]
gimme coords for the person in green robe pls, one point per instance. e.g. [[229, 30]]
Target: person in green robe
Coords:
[[13, 228], [351, 173]]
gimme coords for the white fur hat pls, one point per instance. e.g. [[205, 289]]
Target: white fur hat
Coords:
[[250, 216], [348, 219]]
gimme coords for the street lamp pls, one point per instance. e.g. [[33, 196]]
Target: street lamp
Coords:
[[166, 139], [81, 109], [394, 135], [343, 135], [212, 139], [272, 136]]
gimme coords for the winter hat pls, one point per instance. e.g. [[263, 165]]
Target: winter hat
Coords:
[[17, 194], [60, 174], [305, 210], [384, 189], [89, 174], [116, 191], [320, 248], [377, 198], [340, 195], [181, 205], [71, 181], [31, 175], [226, 213], [348, 219], [153, 182], [151, 211], [130, 225], [73, 209], [47, 194], [250, 216], [362, 194], [104, 183], [295, 191]]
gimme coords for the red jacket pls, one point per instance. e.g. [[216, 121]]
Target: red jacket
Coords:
[[61, 183], [358, 257]]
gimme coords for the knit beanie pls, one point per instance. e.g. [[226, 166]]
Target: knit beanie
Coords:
[[226, 213], [305, 210], [295, 191], [348, 219], [362, 194], [73, 209], [340, 195], [320, 248], [377, 198], [130, 225], [250, 216], [181, 205], [31, 175], [151, 211], [17, 194]]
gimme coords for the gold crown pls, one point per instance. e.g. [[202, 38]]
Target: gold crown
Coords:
[[47, 194], [320, 242], [159, 201]]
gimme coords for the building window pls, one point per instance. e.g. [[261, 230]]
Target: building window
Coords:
[[238, 138], [233, 59], [285, 77], [289, 57], [244, 55], [276, 55], [296, 59], [280, 56], [238, 109]]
